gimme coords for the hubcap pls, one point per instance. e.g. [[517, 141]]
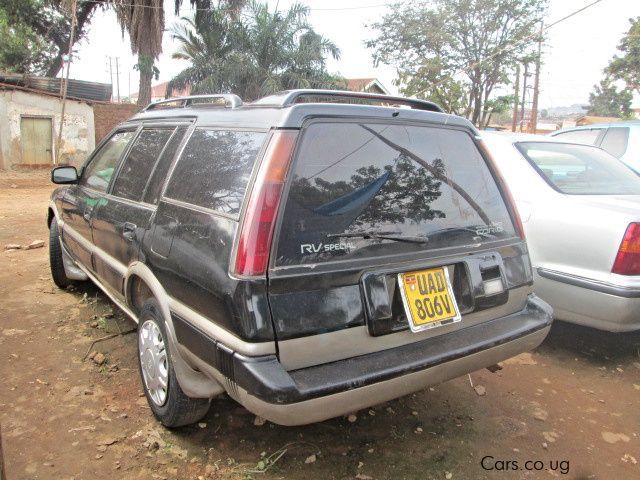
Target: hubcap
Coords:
[[153, 361]]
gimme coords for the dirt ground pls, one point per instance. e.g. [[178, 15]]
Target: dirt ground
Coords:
[[571, 409]]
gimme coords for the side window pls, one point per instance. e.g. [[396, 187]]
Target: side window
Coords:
[[585, 137], [161, 170], [97, 174], [615, 141], [214, 169], [139, 163]]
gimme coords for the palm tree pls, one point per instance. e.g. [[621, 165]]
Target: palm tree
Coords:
[[144, 21], [253, 54]]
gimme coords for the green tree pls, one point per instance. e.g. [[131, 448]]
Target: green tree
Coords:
[[626, 66], [456, 52], [252, 54], [35, 33], [21, 49], [607, 101]]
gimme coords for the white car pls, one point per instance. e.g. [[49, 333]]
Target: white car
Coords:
[[580, 208]]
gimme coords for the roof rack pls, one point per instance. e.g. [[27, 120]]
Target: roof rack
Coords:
[[231, 101], [291, 97]]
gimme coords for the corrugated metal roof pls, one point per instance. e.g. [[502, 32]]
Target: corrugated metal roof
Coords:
[[79, 89]]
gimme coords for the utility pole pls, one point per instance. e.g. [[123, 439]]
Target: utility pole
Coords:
[[111, 76], [524, 93], [536, 86], [118, 79], [74, 6], [514, 123]]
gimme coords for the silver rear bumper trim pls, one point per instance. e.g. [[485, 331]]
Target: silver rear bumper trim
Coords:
[[589, 283]]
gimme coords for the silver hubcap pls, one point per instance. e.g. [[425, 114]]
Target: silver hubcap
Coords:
[[153, 360]]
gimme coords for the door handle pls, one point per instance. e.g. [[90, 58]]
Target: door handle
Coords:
[[129, 231], [86, 214]]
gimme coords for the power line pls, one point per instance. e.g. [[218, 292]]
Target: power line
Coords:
[[191, 9]]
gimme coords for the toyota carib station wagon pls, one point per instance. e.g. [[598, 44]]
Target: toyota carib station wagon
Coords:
[[311, 254]]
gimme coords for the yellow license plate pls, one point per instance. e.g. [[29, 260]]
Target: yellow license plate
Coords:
[[428, 298]]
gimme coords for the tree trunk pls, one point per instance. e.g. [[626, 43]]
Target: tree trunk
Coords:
[[145, 67], [56, 65]]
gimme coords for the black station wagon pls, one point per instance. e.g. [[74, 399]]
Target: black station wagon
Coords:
[[310, 254]]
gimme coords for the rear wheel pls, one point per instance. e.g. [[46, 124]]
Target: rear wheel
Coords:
[[56, 262], [168, 402]]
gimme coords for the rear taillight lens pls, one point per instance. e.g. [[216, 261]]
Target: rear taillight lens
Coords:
[[256, 231], [517, 220], [628, 258]]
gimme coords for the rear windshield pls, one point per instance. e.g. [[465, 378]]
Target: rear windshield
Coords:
[[581, 170], [426, 187]]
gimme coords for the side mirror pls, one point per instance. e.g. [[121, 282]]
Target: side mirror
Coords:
[[64, 175]]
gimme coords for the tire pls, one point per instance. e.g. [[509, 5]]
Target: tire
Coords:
[[169, 404], [55, 257]]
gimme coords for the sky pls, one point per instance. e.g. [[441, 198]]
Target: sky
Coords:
[[575, 53]]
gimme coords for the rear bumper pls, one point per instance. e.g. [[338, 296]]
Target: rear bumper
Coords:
[[605, 306], [316, 393]]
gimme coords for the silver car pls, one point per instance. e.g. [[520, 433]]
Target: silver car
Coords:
[[581, 212]]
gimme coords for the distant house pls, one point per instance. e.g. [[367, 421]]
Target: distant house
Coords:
[[370, 85], [636, 112], [30, 109], [591, 119], [546, 127], [159, 92]]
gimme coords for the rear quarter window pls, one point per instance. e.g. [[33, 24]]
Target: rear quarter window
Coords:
[[401, 180], [214, 169], [615, 141]]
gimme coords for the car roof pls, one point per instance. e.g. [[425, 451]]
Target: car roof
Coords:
[[623, 123], [515, 137], [281, 111]]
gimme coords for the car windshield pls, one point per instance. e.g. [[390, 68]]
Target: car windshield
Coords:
[[581, 169]]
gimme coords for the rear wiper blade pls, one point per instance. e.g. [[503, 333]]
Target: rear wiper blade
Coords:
[[394, 236]]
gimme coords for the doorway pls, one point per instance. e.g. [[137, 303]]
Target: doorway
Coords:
[[35, 137]]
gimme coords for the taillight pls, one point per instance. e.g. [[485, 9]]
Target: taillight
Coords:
[[517, 220], [628, 258], [256, 231]]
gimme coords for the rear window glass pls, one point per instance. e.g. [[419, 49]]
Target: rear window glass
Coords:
[[581, 170], [615, 141], [159, 175], [428, 185], [214, 169], [586, 137], [139, 163]]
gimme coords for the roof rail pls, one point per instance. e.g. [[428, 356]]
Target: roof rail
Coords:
[[231, 101], [291, 97]]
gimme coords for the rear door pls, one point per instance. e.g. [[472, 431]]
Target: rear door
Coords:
[[123, 217], [367, 202]]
